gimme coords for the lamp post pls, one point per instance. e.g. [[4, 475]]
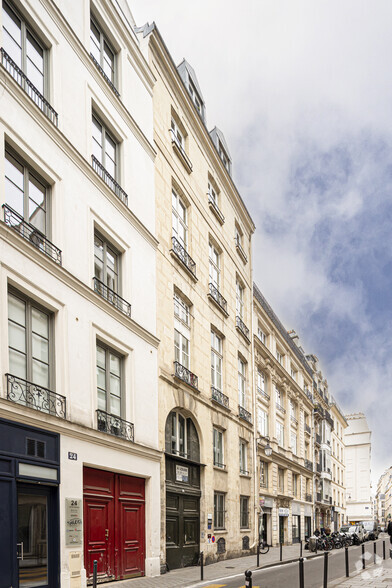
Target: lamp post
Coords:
[[267, 448]]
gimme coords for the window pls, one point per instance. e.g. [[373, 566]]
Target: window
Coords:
[[181, 331], [178, 135], [195, 97], [179, 220], [243, 457], [224, 157], [214, 263], [262, 422], [244, 512], [216, 361], [293, 442], [241, 383], [219, 510], [26, 193], [281, 480], [239, 299], [181, 437], [280, 433], [260, 382], [218, 448], [295, 484], [261, 335], [213, 194], [278, 397], [279, 357], [105, 148], [293, 372], [30, 352], [263, 474], [102, 52], [108, 380], [106, 263], [293, 410], [178, 434], [24, 48]]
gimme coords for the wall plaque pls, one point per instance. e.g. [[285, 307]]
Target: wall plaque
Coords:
[[73, 521], [182, 474]]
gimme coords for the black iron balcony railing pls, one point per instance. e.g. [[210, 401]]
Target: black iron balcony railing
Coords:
[[184, 256], [244, 472], [109, 180], [307, 429], [31, 234], [182, 373], [319, 468], [243, 329], [308, 497], [293, 420], [318, 439], [244, 414], [218, 298], [180, 150], [318, 497], [329, 419], [103, 74], [219, 465], [318, 411], [111, 296], [114, 425], [263, 394], [214, 207], [23, 81], [240, 249], [33, 396], [219, 397], [280, 408], [309, 394], [308, 464]]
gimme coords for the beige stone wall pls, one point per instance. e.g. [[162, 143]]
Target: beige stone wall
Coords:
[[338, 464]]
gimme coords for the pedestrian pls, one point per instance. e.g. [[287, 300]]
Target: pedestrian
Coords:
[[317, 533], [389, 531]]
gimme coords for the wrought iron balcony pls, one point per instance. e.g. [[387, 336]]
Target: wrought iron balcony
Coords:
[[293, 420], [263, 394], [308, 464], [329, 419], [111, 296], [114, 425], [307, 429], [318, 497], [215, 209], [308, 497], [184, 257], [240, 249], [33, 396], [23, 81], [309, 395], [103, 74], [109, 180], [280, 408], [217, 297], [31, 234], [243, 329], [180, 151], [244, 414], [219, 397], [318, 411], [182, 373]]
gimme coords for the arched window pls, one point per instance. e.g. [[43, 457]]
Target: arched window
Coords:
[[181, 437]]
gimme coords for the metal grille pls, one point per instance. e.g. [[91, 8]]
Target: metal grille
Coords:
[[184, 256], [109, 180], [112, 297], [34, 396], [114, 425]]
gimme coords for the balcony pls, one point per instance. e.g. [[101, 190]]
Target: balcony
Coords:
[[242, 328], [180, 252], [244, 414], [308, 497], [307, 429], [219, 397], [109, 180], [280, 408], [23, 81], [215, 209], [309, 395], [31, 234], [179, 149], [33, 396], [217, 298], [318, 411], [317, 438], [114, 425], [329, 419], [240, 249], [318, 497], [105, 77], [263, 394], [111, 297], [308, 464], [185, 375]]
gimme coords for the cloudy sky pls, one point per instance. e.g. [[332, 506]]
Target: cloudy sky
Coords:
[[302, 90]]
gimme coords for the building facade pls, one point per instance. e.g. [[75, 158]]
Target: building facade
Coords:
[[383, 497], [78, 352], [338, 482], [204, 295], [357, 439]]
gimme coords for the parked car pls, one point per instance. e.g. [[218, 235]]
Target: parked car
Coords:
[[371, 530], [358, 529]]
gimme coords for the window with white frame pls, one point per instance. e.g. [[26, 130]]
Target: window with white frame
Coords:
[[218, 448], [219, 510], [295, 478], [281, 479], [216, 361], [293, 410], [102, 51], [106, 263], [280, 433], [293, 442], [239, 299], [241, 383], [293, 372], [179, 219], [109, 385], [181, 331], [105, 147], [177, 135], [278, 397], [262, 422], [179, 438], [213, 194], [260, 382], [243, 457], [263, 474], [195, 96], [279, 357], [224, 157], [261, 335], [214, 265]]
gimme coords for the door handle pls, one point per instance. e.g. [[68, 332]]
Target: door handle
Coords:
[[106, 534], [19, 554]]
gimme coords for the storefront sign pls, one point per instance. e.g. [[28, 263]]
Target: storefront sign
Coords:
[[182, 473], [73, 521], [284, 512]]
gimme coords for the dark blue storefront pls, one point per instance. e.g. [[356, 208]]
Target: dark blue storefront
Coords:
[[29, 506]]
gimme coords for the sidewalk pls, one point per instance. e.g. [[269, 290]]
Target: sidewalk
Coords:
[[185, 577], [376, 576]]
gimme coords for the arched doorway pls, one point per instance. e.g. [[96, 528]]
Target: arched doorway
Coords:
[[182, 459]]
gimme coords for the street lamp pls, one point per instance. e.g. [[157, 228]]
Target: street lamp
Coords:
[[267, 448]]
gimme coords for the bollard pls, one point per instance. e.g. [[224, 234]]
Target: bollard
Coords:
[[383, 549], [326, 569], [300, 549], [201, 565], [301, 573], [95, 571], [280, 554], [248, 579], [258, 553], [346, 558], [363, 557], [375, 551]]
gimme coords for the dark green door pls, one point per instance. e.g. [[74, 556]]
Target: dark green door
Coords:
[[182, 530], [281, 529]]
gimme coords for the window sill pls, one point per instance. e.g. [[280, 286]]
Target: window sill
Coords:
[[186, 162], [220, 531], [218, 469], [248, 476], [245, 530], [216, 211]]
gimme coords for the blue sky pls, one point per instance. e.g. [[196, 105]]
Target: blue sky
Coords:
[[302, 90]]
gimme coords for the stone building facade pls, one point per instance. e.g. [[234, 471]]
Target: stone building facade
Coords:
[[338, 482]]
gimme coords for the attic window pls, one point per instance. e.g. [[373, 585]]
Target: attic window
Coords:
[[223, 156], [195, 98]]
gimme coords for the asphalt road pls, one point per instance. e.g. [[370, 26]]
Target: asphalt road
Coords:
[[288, 574]]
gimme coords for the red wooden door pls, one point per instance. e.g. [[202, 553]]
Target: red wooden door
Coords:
[[132, 526]]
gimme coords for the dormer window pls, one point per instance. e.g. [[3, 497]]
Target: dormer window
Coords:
[[195, 98], [223, 156]]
